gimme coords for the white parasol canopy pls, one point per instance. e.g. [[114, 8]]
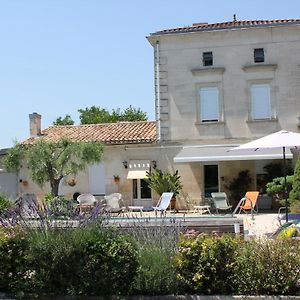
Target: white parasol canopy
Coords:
[[282, 139]]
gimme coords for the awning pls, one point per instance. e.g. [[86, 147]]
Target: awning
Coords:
[[137, 169], [222, 153]]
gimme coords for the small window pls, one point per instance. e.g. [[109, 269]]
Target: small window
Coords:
[[260, 102], [209, 104], [207, 58], [259, 55]]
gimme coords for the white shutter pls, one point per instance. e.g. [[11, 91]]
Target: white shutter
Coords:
[[209, 104], [260, 101], [97, 179]]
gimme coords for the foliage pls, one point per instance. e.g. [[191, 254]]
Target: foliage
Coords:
[[13, 248], [239, 185], [5, 203], [163, 181], [275, 169], [156, 248], [275, 188], [96, 115], [66, 120], [267, 267], [131, 114], [52, 161], [288, 233], [83, 261], [294, 195], [205, 263], [13, 158], [60, 207]]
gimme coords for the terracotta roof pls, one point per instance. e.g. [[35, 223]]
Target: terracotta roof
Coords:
[[110, 133], [228, 25]]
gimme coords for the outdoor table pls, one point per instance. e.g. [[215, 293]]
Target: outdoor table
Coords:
[[202, 209], [136, 208]]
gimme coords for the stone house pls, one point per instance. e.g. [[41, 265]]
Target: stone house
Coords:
[[221, 85], [216, 86], [129, 151]]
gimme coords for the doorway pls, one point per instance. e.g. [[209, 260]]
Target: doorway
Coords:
[[141, 193], [211, 180]]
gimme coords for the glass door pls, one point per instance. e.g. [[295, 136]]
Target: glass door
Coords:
[[141, 193]]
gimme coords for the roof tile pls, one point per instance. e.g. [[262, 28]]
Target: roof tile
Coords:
[[110, 133], [228, 25]]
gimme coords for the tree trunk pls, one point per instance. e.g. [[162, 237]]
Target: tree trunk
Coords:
[[54, 187]]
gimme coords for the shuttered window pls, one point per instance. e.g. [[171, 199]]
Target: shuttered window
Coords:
[[260, 102], [209, 104]]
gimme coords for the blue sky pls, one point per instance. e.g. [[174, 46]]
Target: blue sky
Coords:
[[57, 56]]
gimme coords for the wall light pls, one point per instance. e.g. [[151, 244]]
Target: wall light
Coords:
[[154, 164], [125, 164]]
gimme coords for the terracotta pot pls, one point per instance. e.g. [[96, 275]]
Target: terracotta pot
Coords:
[[25, 183], [173, 202]]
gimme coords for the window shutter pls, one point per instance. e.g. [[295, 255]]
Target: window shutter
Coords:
[[209, 104], [260, 102]]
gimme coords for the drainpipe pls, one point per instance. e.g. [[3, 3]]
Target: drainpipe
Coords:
[[157, 62]]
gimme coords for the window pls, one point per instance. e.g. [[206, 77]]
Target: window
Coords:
[[209, 104], [259, 55], [260, 102], [207, 58]]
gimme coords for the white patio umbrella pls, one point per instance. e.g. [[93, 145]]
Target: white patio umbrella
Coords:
[[279, 140]]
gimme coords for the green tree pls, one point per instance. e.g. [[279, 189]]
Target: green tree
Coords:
[[134, 114], [294, 195], [66, 120], [52, 161], [96, 115]]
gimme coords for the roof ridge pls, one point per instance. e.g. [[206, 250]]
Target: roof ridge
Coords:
[[227, 25], [97, 124]]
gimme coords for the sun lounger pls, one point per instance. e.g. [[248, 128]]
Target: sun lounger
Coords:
[[163, 203]]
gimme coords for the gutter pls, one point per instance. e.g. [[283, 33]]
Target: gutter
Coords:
[[157, 62]]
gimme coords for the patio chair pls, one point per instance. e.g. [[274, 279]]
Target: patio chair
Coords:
[[86, 202], [249, 202], [114, 203], [221, 202], [163, 203]]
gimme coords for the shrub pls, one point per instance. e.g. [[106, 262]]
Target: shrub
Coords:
[[267, 267], [60, 207], [294, 195], [288, 233], [156, 273], [5, 203], [275, 188], [204, 263], [163, 181], [13, 248], [239, 185], [82, 261]]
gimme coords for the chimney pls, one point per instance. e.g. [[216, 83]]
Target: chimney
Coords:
[[35, 124]]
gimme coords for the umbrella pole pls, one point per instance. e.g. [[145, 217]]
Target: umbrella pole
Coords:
[[285, 187]]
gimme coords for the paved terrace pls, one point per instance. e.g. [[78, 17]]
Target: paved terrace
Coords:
[[260, 225]]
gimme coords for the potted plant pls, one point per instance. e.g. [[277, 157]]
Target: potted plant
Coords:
[[71, 181], [163, 181], [116, 178]]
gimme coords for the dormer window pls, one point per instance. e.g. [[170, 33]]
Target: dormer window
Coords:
[[207, 58], [259, 55]]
